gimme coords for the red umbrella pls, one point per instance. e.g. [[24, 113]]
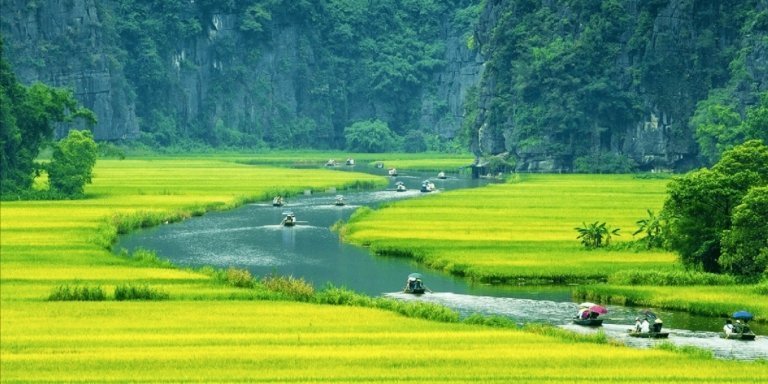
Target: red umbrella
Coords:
[[598, 309]]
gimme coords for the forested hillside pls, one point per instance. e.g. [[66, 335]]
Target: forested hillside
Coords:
[[592, 85], [282, 73], [565, 85]]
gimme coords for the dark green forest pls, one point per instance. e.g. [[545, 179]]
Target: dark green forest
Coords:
[[581, 82], [545, 86]]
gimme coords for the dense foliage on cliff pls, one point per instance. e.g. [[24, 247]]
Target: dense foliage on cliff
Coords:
[[27, 116], [571, 82], [341, 62]]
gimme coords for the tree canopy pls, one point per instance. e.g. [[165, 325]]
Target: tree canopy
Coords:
[[27, 118], [712, 214], [72, 163]]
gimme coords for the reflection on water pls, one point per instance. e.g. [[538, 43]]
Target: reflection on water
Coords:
[[252, 237]]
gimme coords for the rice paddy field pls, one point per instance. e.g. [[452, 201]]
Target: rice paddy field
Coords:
[[205, 331], [522, 232], [522, 229]]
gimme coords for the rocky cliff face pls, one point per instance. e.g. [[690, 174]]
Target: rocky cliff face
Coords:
[[210, 88], [39, 38], [666, 63]]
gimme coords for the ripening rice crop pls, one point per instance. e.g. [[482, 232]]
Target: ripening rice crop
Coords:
[[204, 331], [291, 342], [520, 229]]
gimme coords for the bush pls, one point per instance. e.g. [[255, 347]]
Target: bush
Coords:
[[297, 289], [373, 136], [138, 292], [77, 293], [680, 278], [241, 278]]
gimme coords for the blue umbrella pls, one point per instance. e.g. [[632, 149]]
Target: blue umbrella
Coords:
[[742, 315]]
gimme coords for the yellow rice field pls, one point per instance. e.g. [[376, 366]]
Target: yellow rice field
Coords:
[[520, 229], [208, 332]]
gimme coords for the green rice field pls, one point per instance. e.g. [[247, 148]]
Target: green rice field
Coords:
[[522, 232], [523, 229], [206, 331]]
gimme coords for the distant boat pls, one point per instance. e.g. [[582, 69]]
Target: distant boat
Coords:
[[392, 172], [427, 186], [289, 220], [278, 201], [350, 161], [330, 163], [339, 200], [589, 322], [738, 336], [400, 187], [414, 284], [441, 175], [649, 335]]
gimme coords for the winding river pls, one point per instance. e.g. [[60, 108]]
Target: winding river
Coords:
[[252, 237]]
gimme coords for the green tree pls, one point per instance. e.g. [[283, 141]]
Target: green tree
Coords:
[[72, 164], [745, 245], [653, 229], [717, 128], [27, 117], [699, 205], [372, 136], [596, 235], [755, 126]]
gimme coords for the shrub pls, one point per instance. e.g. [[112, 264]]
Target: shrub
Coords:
[[77, 293], [490, 321], [341, 296], [241, 278], [125, 292], [676, 278], [297, 289]]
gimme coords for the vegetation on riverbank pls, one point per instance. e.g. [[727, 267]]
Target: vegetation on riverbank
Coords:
[[212, 327], [522, 232]]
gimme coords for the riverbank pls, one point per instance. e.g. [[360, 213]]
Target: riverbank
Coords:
[[205, 330], [523, 232]]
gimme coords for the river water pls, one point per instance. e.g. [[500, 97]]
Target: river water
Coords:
[[251, 237]]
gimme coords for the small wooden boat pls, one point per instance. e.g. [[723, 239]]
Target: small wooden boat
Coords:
[[588, 322], [392, 172], [427, 186], [289, 220], [339, 200], [350, 161], [441, 175], [414, 284], [278, 201], [649, 335], [330, 163], [739, 336], [400, 187]]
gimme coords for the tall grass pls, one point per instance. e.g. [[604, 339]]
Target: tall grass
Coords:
[[68, 292], [139, 292]]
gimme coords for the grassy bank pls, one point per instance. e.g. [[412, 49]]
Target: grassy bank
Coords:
[[522, 232], [198, 329]]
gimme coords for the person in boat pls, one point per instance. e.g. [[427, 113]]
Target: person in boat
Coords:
[[593, 315], [638, 325], [728, 327], [583, 314], [738, 327], [645, 326], [657, 324]]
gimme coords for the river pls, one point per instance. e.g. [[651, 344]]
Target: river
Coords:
[[251, 237]]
